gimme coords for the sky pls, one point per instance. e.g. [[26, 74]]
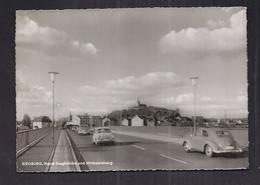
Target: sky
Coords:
[[109, 58]]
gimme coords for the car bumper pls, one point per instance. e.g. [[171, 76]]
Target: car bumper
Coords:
[[228, 151], [105, 140], [82, 133]]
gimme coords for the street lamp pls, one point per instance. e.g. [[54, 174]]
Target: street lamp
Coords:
[[53, 75], [58, 114], [121, 115], [193, 81]]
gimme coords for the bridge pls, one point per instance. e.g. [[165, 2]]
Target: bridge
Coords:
[[134, 148]]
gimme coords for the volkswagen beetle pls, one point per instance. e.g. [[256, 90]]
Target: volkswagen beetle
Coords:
[[211, 141]]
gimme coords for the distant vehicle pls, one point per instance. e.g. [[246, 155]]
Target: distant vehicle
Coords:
[[211, 141], [91, 131], [82, 132], [74, 128], [102, 135]]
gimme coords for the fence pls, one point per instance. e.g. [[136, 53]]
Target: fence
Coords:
[[26, 137]]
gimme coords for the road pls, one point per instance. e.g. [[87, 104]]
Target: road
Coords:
[[134, 153]]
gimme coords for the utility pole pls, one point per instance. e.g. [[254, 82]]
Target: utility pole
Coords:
[[121, 116], [53, 75], [193, 81]]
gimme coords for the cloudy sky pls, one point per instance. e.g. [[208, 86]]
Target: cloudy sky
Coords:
[[109, 58]]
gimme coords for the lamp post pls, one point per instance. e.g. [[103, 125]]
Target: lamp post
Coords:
[[193, 81], [58, 114], [53, 75], [121, 115]]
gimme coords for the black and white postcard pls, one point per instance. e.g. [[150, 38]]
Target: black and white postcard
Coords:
[[131, 89]]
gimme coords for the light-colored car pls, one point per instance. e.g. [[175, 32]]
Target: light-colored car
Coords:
[[102, 135], [211, 141], [91, 131], [82, 132]]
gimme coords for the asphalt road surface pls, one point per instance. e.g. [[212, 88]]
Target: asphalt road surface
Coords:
[[132, 153]]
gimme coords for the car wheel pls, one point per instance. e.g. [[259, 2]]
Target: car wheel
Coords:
[[209, 151], [95, 142], [186, 146]]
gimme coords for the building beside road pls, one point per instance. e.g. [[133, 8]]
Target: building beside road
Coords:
[[74, 122], [126, 122], [137, 121], [96, 121], [106, 122], [41, 122], [150, 122], [84, 122], [79, 122]]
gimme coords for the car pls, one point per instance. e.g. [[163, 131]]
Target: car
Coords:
[[82, 132], [91, 131], [211, 141], [102, 135]]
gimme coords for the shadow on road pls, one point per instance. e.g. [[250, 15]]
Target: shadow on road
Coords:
[[229, 155], [126, 142], [238, 155], [104, 146]]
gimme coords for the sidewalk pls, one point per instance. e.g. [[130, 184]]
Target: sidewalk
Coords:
[[39, 153], [164, 138], [63, 157]]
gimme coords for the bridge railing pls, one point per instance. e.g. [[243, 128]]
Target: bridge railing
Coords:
[[26, 137]]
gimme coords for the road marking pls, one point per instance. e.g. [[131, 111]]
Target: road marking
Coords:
[[141, 148], [168, 157]]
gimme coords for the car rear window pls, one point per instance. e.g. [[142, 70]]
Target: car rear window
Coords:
[[222, 133], [104, 130]]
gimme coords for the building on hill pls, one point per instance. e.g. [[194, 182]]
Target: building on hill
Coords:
[[149, 114], [126, 122], [138, 121], [185, 121], [139, 105], [150, 121]]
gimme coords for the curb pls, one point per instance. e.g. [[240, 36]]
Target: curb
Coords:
[[77, 154], [73, 153], [47, 169]]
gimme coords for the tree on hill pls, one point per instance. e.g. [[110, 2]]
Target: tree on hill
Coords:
[[27, 120]]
